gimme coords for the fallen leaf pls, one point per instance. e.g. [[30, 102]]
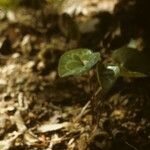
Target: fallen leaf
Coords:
[[49, 127]]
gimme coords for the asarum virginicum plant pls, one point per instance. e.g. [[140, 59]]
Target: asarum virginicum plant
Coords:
[[126, 62]]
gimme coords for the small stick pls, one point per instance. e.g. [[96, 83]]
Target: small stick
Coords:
[[83, 111]]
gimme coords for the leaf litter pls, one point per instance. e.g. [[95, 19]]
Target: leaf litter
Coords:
[[38, 110]]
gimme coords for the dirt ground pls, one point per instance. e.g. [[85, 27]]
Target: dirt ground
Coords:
[[41, 111]]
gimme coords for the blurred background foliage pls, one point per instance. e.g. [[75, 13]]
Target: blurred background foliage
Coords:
[[100, 25]]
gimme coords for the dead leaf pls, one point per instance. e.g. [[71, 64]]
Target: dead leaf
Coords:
[[49, 127]]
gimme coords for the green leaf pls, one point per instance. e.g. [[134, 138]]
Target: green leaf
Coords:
[[132, 63], [77, 62], [107, 76], [126, 73]]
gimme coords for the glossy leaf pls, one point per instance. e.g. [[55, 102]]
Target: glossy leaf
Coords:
[[107, 76], [77, 62]]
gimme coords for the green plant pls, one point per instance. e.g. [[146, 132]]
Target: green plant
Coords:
[[126, 62]]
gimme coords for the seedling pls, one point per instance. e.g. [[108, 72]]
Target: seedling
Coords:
[[126, 62]]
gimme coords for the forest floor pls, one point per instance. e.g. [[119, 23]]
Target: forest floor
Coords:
[[41, 111]]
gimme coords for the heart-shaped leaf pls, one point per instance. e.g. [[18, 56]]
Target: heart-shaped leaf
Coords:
[[77, 62]]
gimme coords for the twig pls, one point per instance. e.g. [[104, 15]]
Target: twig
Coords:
[[83, 111], [133, 147]]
